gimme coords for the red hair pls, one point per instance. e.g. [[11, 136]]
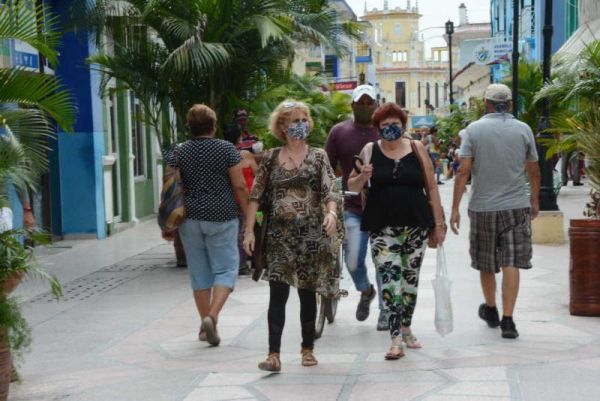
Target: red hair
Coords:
[[387, 110]]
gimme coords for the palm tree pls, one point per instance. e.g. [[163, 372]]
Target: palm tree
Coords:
[[219, 52], [326, 109], [30, 103], [576, 86]]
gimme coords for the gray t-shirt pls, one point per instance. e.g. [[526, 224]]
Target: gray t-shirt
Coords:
[[500, 145]]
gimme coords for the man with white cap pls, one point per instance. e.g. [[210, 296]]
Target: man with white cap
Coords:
[[346, 140], [498, 151]]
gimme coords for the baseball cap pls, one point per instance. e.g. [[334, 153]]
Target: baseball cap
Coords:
[[498, 93], [364, 90]]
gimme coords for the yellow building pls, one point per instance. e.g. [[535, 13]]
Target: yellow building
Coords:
[[400, 70]]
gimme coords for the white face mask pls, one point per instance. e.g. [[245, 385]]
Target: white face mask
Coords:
[[299, 130]]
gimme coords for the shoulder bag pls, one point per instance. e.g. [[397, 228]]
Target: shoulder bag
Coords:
[[171, 212], [431, 242], [259, 261]]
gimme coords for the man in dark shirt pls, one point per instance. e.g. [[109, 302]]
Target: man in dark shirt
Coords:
[[346, 140], [247, 139]]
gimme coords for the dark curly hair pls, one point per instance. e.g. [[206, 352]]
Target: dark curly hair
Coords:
[[387, 110]]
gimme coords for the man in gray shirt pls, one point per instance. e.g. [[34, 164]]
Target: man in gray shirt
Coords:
[[498, 151]]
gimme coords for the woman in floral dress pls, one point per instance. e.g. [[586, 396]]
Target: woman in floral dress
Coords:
[[398, 218], [298, 183]]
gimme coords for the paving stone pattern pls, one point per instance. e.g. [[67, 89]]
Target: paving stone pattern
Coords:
[[129, 332]]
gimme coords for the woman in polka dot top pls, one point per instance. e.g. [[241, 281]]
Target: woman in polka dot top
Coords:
[[212, 179]]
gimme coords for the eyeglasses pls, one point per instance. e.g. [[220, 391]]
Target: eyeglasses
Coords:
[[397, 168], [289, 105]]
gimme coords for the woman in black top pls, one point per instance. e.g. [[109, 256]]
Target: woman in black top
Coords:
[[398, 217], [212, 179]]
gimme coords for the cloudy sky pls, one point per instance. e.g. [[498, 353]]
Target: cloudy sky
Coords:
[[435, 13]]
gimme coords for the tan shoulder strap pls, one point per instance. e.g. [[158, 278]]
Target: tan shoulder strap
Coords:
[[368, 152]]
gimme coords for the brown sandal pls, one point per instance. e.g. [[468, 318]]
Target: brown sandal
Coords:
[[209, 326], [396, 351], [411, 341], [272, 363], [308, 358]]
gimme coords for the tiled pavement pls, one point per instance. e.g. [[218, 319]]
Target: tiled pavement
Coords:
[[127, 330]]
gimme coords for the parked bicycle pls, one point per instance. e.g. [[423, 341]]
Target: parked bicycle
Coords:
[[328, 305]]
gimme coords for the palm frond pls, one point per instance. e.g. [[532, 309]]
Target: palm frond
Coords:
[[37, 90], [33, 24]]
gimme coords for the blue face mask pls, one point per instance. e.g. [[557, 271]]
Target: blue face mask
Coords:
[[299, 130], [391, 132]]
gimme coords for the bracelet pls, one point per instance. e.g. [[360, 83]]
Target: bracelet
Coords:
[[27, 209], [333, 213], [440, 224]]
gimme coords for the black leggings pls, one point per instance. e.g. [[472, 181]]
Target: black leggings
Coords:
[[276, 317]]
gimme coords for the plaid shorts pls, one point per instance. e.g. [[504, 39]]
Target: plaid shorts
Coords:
[[500, 239]]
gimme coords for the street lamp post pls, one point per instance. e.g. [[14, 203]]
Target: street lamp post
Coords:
[[449, 32], [547, 196]]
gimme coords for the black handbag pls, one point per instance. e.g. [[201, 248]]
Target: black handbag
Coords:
[[259, 257]]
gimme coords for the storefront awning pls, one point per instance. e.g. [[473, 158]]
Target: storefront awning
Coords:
[[585, 34]]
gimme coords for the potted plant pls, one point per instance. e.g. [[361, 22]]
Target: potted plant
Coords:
[[577, 85], [16, 264]]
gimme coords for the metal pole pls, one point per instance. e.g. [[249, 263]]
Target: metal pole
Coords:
[[547, 196], [515, 60], [450, 63]]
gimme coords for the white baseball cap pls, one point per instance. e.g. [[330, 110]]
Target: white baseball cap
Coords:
[[498, 93], [364, 90]]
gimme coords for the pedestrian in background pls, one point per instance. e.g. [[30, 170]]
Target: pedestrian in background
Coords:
[[345, 141], [432, 145], [398, 218], [499, 152], [211, 172], [298, 183], [249, 168]]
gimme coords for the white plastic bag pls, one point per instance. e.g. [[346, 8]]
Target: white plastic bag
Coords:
[[441, 287], [6, 219]]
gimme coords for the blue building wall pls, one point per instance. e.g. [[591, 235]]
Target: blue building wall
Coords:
[[78, 202]]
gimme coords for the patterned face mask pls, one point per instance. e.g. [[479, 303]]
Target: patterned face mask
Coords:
[[391, 132], [299, 130]]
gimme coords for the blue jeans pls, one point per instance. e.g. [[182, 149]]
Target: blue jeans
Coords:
[[355, 252], [211, 251]]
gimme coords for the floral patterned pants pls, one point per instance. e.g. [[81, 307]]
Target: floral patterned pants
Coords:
[[397, 255]]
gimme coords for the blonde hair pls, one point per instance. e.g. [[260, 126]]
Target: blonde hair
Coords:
[[281, 115], [201, 119]]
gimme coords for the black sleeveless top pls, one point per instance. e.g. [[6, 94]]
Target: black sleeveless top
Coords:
[[396, 196]]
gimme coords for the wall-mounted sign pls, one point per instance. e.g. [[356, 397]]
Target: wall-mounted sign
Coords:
[[421, 121], [24, 55], [485, 51], [343, 86], [492, 52]]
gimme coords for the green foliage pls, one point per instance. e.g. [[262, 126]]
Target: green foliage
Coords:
[[16, 261], [219, 52], [14, 326], [29, 102], [29, 105], [449, 125], [327, 108], [20, 19], [576, 87], [530, 82]]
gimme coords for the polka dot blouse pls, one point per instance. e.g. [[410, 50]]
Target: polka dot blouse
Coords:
[[204, 165]]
